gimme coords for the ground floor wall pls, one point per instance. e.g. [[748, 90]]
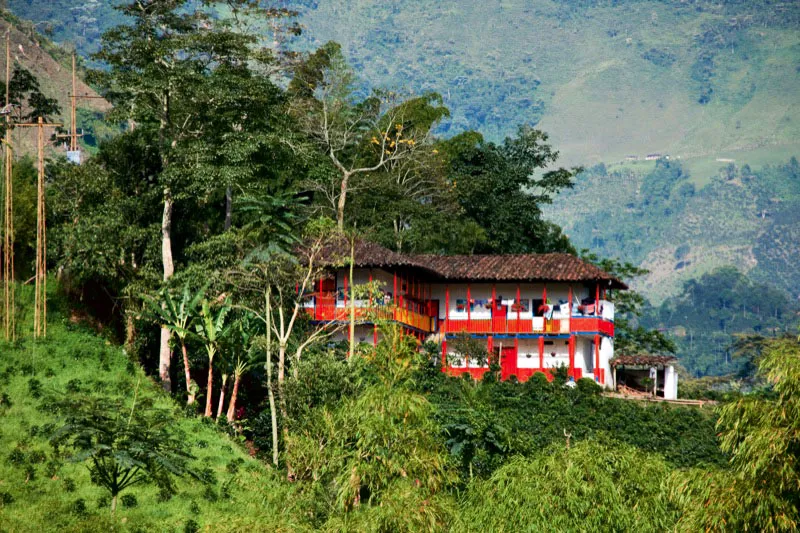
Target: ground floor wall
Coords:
[[582, 356]]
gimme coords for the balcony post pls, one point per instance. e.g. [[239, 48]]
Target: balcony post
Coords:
[[491, 309], [571, 355], [345, 290], [519, 305], [541, 352], [597, 300], [446, 309], [444, 354], [597, 356], [469, 309]]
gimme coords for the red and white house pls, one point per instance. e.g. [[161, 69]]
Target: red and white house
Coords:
[[535, 312]]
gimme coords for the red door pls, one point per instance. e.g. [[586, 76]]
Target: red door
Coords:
[[508, 362], [326, 302], [499, 314]]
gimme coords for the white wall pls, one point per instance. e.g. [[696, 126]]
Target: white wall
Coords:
[[508, 291], [606, 354], [670, 383], [528, 347]]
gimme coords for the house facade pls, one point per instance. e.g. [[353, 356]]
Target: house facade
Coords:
[[534, 312]]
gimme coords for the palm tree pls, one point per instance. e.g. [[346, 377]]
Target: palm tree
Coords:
[[177, 319], [211, 330]]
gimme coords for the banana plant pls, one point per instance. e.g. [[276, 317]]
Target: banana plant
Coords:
[[178, 318], [246, 328], [211, 329]]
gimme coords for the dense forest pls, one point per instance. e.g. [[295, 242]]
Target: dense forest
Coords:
[[182, 387]]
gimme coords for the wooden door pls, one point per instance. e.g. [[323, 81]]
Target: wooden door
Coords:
[[326, 302], [508, 362]]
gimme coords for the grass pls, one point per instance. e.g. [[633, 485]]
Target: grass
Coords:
[[41, 491]]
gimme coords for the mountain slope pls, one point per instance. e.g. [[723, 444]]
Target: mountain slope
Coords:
[[51, 65], [605, 79]]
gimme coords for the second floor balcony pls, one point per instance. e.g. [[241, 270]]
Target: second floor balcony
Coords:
[[598, 321], [323, 309]]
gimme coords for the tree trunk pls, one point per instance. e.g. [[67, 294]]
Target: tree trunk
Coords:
[[228, 207], [282, 403], [232, 404], [130, 332], [342, 200], [209, 388], [273, 411], [273, 415], [352, 326], [222, 396], [113, 504], [190, 395], [165, 354]]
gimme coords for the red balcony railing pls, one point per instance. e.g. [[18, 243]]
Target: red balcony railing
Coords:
[[511, 326], [325, 311], [502, 325]]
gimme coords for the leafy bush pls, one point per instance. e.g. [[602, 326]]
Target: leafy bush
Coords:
[[129, 501], [589, 486]]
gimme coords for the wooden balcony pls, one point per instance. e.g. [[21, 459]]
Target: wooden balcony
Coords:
[[330, 312], [535, 325], [509, 326]]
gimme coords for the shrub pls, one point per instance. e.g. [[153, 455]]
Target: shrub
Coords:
[[6, 498], [591, 486], [35, 388], [129, 501], [79, 507], [191, 527], [69, 484]]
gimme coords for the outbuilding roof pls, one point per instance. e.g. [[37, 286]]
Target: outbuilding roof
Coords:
[[643, 360]]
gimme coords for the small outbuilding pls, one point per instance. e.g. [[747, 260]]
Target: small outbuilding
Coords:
[[646, 374]]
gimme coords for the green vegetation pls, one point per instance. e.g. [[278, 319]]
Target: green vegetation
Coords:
[[242, 174], [712, 312], [44, 489]]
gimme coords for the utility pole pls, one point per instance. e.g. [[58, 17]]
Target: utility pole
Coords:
[[74, 154], [8, 210], [40, 304]]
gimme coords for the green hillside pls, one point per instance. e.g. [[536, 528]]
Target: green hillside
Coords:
[[41, 489]]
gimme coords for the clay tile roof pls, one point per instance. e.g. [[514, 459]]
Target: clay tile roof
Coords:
[[518, 267], [642, 360], [511, 267], [369, 254]]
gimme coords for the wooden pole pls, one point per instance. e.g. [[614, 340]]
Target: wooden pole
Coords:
[[8, 212], [73, 139], [40, 305], [40, 297]]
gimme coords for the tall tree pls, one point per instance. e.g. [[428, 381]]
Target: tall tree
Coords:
[[185, 74], [359, 136], [502, 187]]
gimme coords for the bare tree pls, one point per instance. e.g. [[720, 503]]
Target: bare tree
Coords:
[[284, 282], [359, 137]]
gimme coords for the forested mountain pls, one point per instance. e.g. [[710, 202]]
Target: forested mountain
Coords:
[[655, 215], [605, 79]]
